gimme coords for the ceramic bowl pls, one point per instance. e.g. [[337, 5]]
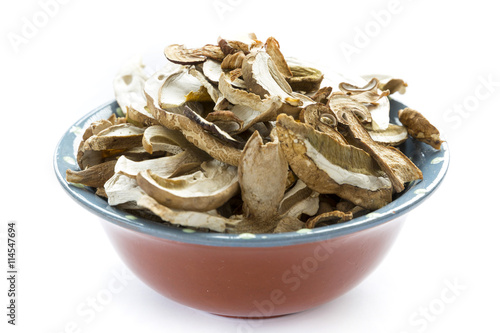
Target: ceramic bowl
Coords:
[[247, 275]]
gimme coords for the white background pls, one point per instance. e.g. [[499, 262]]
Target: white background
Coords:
[[50, 77]]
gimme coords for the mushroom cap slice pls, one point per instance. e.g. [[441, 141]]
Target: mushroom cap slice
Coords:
[[420, 128], [399, 168], [201, 191], [263, 173], [328, 166], [306, 79], [179, 54], [377, 101]]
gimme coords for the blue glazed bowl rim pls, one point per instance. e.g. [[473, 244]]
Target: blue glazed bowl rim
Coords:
[[433, 163]]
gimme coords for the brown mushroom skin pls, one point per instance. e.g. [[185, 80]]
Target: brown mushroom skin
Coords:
[[420, 128]]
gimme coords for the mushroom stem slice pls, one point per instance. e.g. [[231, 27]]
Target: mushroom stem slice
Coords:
[[94, 176], [262, 164], [398, 167], [420, 128], [273, 49], [201, 191], [329, 166], [122, 136]]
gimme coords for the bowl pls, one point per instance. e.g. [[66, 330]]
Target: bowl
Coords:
[[253, 275]]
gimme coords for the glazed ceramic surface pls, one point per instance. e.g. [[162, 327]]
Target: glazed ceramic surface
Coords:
[[250, 275]]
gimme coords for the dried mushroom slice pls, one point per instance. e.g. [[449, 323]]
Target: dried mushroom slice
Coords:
[[129, 92], [226, 120], [387, 82], [234, 44], [376, 100], [233, 61], [299, 200], [329, 217], [262, 164], [94, 176], [264, 79], [121, 189], [321, 118], [211, 128], [322, 94], [179, 54], [273, 49], [305, 79], [163, 166], [328, 166], [398, 167], [187, 218], [202, 191], [211, 90], [160, 138], [288, 224], [122, 136], [420, 128], [393, 135]]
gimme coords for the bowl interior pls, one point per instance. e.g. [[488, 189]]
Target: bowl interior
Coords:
[[433, 163]]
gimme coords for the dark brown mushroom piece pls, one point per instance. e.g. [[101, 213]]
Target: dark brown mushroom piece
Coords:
[[420, 128]]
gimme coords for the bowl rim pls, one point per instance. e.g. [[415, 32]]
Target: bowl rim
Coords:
[[434, 169]]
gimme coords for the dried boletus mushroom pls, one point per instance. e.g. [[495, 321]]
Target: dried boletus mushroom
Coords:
[[329, 166], [420, 128], [201, 191]]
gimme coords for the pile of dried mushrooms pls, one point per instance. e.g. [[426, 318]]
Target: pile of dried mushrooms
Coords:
[[235, 138]]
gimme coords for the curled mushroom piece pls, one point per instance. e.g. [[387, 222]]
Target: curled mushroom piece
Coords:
[[376, 100], [202, 190], [234, 44], [158, 138], [179, 54], [387, 82], [420, 128], [162, 167], [329, 166], [398, 167]]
